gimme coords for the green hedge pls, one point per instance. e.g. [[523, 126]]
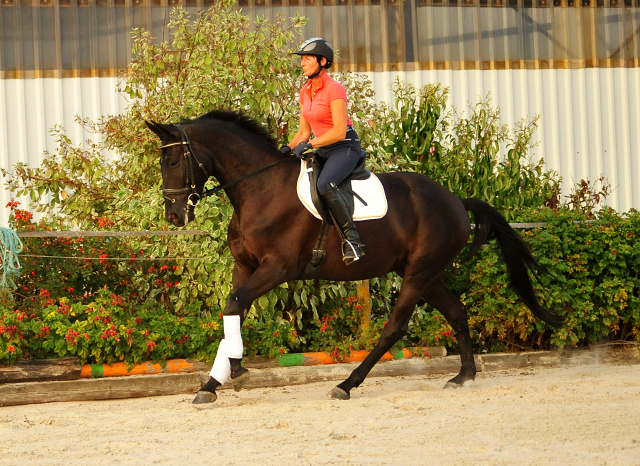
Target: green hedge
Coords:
[[592, 279]]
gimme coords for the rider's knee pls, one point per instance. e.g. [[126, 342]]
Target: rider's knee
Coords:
[[325, 188]]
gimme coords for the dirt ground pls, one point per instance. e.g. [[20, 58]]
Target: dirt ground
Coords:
[[585, 415]]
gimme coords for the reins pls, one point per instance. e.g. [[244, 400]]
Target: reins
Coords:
[[212, 191], [191, 188]]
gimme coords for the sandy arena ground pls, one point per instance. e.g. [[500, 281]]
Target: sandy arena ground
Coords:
[[587, 415]]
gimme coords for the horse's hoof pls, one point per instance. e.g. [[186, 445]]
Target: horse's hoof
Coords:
[[204, 398], [337, 393], [451, 384], [241, 380]]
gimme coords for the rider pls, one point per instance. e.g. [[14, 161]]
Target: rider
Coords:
[[323, 111]]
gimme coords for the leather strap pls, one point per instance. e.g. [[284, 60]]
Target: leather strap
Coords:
[[318, 253]]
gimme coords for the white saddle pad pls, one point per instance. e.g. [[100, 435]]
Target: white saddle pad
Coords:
[[370, 190]]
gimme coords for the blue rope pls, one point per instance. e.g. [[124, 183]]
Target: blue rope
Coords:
[[10, 247]]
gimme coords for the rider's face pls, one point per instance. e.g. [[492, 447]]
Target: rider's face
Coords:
[[310, 65]]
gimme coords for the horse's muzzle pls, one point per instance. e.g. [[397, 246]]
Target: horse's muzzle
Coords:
[[180, 220]]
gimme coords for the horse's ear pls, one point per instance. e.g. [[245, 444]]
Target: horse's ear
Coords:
[[164, 132]]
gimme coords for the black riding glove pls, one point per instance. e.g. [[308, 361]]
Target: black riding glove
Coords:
[[286, 150], [300, 149]]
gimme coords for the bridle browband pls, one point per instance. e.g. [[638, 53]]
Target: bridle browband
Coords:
[[190, 179]]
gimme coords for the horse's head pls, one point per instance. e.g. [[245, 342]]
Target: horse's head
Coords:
[[183, 175]]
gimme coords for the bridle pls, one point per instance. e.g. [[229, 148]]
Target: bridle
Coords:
[[190, 189], [189, 155]]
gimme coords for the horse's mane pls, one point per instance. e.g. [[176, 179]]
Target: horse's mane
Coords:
[[241, 119]]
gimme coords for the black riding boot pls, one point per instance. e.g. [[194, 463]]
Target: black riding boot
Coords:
[[351, 245]]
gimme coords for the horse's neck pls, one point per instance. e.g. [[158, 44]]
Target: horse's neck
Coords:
[[242, 159]]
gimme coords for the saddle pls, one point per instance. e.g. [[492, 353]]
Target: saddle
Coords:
[[359, 173], [366, 200], [365, 194]]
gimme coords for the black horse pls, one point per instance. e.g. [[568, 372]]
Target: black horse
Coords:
[[271, 234]]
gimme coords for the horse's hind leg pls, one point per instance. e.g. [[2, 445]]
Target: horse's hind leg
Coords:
[[440, 297], [395, 329]]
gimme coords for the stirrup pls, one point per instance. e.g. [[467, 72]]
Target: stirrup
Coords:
[[352, 252]]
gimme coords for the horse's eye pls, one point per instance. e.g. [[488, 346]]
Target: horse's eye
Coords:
[[174, 163]]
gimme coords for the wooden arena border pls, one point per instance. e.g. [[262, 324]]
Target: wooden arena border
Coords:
[[71, 369], [111, 388]]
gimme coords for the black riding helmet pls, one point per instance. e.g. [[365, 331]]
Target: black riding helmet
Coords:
[[319, 47]]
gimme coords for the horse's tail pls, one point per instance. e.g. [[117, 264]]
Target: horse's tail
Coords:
[[490, 224]]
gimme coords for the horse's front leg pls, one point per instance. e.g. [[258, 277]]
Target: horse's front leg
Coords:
[[228, 361]]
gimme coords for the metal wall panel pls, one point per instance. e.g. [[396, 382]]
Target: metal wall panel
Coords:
[[576, 63], [590, 118], [32, 107], [589, 125]]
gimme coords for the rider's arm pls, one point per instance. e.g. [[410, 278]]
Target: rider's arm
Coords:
[[304, 132], [337, 133]]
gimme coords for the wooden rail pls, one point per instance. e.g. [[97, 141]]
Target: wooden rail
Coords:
[[75, 234]]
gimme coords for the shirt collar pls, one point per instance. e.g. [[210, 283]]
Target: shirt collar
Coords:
[[325, 78]]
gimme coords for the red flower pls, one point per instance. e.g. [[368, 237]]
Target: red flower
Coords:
[[104, 222]]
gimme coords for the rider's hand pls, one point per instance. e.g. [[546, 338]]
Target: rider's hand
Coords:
[[300, 149], [286, 150]]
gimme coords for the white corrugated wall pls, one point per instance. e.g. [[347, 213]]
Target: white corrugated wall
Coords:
[[589, 123], [575, 63], [590, 118], [32, 107]]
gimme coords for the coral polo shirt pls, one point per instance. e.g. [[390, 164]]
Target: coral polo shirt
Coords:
[[316, 105]]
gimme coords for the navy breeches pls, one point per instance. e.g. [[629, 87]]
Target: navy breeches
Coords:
[[339, 159]]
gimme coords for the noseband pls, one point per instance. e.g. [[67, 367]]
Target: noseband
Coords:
[[189, 155]]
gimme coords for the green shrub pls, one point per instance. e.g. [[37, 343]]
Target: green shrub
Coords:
[[593, 280], [474, 156]]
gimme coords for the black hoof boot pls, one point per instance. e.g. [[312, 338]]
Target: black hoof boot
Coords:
[[207, 393], [204, 398], [239, 375]]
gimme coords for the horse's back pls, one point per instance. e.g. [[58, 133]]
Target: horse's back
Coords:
[[426, 210], [423, 195]]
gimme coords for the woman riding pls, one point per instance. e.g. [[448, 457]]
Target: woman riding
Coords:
[[323, 112]]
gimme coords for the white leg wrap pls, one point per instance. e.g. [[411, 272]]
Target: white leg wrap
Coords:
[[232, 336], [230, 347], [221, 369]]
